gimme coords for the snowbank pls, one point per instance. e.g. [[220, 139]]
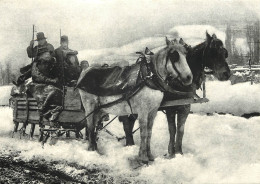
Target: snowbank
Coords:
[[192, 34], [236, 99], [218, 149], [195, 34], [119, 53], [5, 92]]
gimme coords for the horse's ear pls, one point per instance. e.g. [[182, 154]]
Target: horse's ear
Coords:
[[181, 41], [214, 36], [174, 56], [168, 42], [208, 37]]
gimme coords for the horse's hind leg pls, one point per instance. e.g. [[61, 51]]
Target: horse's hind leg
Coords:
[[171, 114], [128, 124], [182, 115], [91, 133], [151, 118]]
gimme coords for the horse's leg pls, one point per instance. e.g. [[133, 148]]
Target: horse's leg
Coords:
[[143, 121], [128, 125], [171, 114], [89, 106], [91, 132], [181, 119], [151, 118]]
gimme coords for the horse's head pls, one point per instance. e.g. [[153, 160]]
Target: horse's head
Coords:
[[176, 63], [215, 57]]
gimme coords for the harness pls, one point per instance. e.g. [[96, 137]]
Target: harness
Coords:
[[147, 77], [152, 79]]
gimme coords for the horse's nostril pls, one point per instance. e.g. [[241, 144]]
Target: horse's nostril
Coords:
[[188, 77]]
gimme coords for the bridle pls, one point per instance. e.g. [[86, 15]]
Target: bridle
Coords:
[[174, 67], [211, 71], [153, 79]]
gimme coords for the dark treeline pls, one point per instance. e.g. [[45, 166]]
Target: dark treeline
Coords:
[[7, 74], [251, 34]]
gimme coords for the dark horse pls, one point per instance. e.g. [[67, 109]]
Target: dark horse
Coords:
[[211, 54]]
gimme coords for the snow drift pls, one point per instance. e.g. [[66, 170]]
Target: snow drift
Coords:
[[239, 99], [192, 34], [217, 149]]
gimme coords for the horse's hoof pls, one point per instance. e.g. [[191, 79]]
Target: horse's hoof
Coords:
[[151, 157], [179, 151], [129, 144], [92, 148], [136, 163], [169, 156], [144, 160]]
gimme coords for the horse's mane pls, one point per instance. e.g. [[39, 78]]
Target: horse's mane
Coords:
[[175, 46]]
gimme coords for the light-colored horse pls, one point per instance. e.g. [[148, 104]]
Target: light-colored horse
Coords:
[[146, 102]]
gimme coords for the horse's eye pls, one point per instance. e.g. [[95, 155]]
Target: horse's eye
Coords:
[[174, 56]]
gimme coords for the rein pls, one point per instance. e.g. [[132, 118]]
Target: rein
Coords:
[[149, 78]]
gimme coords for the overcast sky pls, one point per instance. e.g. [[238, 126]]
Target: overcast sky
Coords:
[[111, 23]]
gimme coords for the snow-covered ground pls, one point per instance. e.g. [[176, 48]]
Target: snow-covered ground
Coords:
[[5, 92], [238, 99], [217, 149]]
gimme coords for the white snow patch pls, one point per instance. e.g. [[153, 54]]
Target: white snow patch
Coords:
[[242, 45], [5, 92], [195, 34], [218, 149], [236, 99]]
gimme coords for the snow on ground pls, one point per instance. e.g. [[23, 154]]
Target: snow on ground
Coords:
[[238, 99], [217, 149], [5, 92]]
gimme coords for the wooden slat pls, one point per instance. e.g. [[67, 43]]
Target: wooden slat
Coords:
[[24, 107], [184, 102]]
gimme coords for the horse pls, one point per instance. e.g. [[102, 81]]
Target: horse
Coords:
[[169, 61], [209, 53]]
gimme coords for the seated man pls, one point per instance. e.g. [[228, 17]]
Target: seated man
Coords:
[[46, 87], [32, 52], [68, 65]]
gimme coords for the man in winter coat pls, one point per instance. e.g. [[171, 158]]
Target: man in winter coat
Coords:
[[68, 64]]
